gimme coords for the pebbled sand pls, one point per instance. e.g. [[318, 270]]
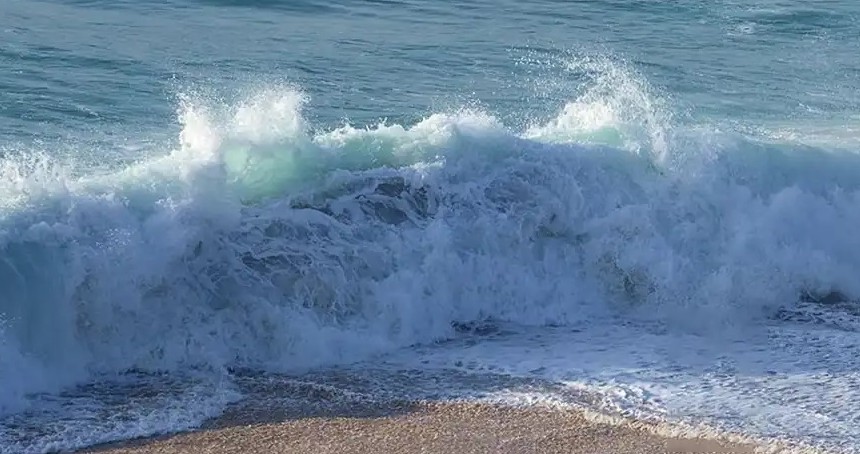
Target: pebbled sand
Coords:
[[420, 428]]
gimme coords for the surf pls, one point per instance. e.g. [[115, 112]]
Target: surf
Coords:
[[261, 241]]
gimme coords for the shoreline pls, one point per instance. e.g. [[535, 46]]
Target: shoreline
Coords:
[[430, 428]]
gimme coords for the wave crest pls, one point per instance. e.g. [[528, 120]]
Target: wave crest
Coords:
[[260, 243]]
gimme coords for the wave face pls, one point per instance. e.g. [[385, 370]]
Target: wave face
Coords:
[[261, 242]]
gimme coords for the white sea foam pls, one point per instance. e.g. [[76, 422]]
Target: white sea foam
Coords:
[[259, 243]]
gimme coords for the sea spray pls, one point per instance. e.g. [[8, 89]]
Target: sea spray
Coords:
[[258, 243]]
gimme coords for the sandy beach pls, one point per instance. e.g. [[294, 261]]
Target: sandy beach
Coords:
[[419, 428]]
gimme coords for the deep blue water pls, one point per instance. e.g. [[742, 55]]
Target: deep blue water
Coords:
[[78, 68]]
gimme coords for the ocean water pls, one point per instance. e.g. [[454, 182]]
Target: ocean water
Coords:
[[644, 209]]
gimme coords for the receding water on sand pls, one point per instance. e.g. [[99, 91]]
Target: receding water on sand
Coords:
[[763, 387]]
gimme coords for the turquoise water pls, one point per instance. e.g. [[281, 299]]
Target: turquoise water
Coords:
[[78, 68], [193, 188]]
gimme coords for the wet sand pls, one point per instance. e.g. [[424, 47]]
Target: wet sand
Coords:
[[420, 428]]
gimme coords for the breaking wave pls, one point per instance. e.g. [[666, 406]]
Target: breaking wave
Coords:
[[262, 242]]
